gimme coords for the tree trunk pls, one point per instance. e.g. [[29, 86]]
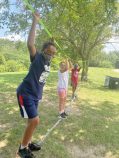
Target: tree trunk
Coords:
[[84, 75]]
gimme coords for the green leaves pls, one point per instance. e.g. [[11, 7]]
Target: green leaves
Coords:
[[78, 26]]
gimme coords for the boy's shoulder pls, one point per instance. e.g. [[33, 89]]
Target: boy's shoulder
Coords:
[[37, 55]]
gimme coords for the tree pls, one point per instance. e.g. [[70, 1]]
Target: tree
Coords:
[[83, 26], [79, 26]]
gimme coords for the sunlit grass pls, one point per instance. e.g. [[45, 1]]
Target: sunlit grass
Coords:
[[91, 130]]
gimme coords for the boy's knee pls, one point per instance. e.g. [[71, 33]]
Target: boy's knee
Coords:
[[35, 121]]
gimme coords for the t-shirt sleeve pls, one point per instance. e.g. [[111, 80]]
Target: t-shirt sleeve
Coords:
[[33, 57]]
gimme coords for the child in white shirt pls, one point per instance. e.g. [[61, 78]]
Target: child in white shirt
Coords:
[[63, 77]]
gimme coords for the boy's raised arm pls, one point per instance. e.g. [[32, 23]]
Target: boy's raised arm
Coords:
[[31, 36]]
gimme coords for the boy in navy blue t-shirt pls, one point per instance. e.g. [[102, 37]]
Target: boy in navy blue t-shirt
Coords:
[[30, 90]]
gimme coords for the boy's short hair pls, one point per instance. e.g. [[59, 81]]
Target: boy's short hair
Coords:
[[47, 44]]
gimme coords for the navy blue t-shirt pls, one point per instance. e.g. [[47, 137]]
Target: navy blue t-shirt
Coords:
[[33, 83]]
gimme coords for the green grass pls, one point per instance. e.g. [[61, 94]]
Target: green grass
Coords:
[[91, 130]]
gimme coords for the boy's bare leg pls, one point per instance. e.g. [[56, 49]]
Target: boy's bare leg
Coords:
[[31, 126]]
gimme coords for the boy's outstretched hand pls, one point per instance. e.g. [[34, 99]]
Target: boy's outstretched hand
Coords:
[[36, 16]]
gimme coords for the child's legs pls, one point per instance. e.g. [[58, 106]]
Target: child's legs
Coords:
[[74, 86], [65, 102], [28, 109], [62, 99], [31, 126], [61, 104]]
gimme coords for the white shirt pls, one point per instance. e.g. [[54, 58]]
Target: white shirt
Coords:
[[63, 79]]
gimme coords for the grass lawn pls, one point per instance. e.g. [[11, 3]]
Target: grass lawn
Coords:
[[91, 130]]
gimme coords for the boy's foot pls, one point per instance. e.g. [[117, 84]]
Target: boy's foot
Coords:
[[25, 153], [34, 147], [62, 115], [65, 114]]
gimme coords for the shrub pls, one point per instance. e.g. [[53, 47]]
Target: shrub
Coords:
[[106, 64], [2, 60], [12, 66], [2, 68]]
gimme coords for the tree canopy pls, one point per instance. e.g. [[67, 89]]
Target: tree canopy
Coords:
[[79, 26]]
